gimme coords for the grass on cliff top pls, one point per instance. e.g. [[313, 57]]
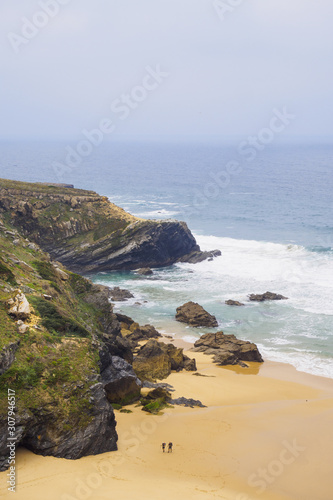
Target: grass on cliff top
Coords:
[[43, 188]]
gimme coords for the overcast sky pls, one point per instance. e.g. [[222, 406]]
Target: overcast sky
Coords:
[[221, 70]]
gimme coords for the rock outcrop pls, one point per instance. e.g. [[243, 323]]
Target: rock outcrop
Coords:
[[189, 402], [44, 435], [120, 382], [197, 256], [87, 233], [58, 336], [227, 349], [7, 356], [120, 295], [145, 271], [195, 315], [266, 296], [18, 306], [155, 360], [152, 362], [231, 302]]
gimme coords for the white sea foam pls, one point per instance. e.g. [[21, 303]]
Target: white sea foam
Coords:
[[297, 331], [303, 276], [302, 361], [158, 213]]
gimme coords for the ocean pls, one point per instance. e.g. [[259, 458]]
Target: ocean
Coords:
[[272, 218]]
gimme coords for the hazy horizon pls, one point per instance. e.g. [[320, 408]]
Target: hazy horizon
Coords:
[[165, 70]]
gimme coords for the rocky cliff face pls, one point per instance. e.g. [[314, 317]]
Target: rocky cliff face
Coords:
[[87, 233], [62, 352]]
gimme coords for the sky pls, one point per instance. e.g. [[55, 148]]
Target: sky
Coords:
[[164, 68]]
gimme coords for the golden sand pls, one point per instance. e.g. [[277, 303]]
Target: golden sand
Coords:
[[266, 434]]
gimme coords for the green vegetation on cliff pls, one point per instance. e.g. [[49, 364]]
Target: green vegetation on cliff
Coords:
[[55, 361]]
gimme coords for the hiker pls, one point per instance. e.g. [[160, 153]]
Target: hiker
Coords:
[[170, 448], [163, 447]]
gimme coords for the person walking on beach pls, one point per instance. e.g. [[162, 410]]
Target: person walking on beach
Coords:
[[170, 448], [163, 447]]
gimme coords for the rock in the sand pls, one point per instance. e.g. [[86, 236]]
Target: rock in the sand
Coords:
[[231, 302], [187, 402], [120, 382], [155, 360], [163, 385], [190, 365], [266, 296], [120, 295], [195, 315], [144, 271], [158, 393], [227, 349], [152, 362]]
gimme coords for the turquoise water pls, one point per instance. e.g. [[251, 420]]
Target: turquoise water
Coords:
[[272, 219]]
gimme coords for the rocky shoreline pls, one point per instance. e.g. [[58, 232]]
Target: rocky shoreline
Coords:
[[70, 358]]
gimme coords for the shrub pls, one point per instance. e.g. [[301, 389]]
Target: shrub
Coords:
[[6, 274], [54, 320], [45, 270]]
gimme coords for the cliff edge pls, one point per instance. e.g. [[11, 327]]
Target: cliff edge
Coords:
[[88, 233]]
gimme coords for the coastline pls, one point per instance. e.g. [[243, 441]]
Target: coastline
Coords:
[[264, 434]]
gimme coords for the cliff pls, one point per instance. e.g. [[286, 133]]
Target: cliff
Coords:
[[61, 351], [87, 233]]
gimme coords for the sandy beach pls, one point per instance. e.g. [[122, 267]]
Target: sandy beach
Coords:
[[265, 434]]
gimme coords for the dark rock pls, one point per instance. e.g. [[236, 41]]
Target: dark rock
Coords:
[[197, 256], [125, 321], [227, 349], [195, 315], [176, 356], [158, 393], [187, 402], [155, 360], [190, 365], [266, 296], [152, 362], [7, 356], [118, 346], [117, 239], [145, 271], [99, 296], [44, 435], [231, 302], [145, 332], [163, 385], [119, 295], [120, 382]]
